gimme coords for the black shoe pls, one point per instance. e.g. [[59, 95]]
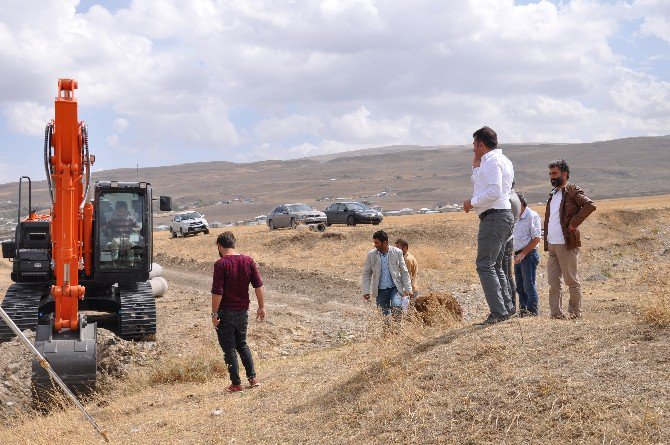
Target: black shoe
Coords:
[[493, 319], [512, 312], [524, 313]]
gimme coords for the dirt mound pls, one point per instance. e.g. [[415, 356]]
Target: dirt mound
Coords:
[[334, 235], [434, 307], [115, 358]]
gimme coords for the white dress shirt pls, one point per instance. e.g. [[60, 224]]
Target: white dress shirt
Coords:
[[492, 182], [528, 226], [555, 231]]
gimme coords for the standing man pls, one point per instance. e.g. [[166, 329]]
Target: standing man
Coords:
[[527, 235], [567, 208], [233, 273], [412, 268], [385, 276], [492, 176], [508, 259]]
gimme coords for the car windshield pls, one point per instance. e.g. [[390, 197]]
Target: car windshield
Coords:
[[300, 208], [191, 215], [357, 206]]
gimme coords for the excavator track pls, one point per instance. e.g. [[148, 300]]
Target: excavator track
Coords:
[[137, 316], [21, 303]]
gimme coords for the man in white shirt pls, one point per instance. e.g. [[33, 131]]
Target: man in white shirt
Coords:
[[527, 235], [567, 208], [492, 177]]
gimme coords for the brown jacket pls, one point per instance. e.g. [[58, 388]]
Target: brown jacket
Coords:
[[575, 208]]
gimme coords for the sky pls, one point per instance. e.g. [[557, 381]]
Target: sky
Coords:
[[165, 82]]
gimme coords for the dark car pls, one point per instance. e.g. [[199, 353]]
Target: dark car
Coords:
[[352, 213]]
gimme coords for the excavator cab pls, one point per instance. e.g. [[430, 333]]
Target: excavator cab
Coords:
[[123, 237]]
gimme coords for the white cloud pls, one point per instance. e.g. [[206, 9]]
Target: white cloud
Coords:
[[260, 78], [120, 125], [27, 118]]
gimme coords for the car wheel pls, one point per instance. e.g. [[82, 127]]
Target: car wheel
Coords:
[[376, 223], [294, 223], [351, 221], [328, 223], [206, 231], [271, 224]]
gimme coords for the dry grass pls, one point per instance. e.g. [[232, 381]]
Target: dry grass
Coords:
[[657, 312], [191, 369], [601, 380]]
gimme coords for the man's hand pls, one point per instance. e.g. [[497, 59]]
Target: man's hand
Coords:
[[366, 297], [518, 258], [215, 320], [476, 162], [260, 314], [467, 206]]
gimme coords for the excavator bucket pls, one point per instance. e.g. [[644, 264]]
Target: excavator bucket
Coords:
[[72, 356]]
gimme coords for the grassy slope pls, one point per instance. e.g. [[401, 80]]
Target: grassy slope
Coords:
[[600, 380]]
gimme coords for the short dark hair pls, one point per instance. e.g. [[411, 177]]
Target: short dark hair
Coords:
[[226, 240], [403, 242], [561, 165], [487, 136], [522, 199], [381, 236]]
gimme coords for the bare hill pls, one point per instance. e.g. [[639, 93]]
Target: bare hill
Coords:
[[416, 176]]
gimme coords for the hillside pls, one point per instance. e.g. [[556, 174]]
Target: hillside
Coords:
[[331, 376], [416, 176]]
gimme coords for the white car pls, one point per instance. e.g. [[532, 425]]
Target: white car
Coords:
[[188, 223]]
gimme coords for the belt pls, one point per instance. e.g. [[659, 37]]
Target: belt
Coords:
[[490, 211], [521, 250]]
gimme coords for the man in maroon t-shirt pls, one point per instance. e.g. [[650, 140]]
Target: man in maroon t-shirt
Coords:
[[233, 273]]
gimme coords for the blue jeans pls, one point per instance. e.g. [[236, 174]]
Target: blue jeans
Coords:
[[389, 300], [525, 282]]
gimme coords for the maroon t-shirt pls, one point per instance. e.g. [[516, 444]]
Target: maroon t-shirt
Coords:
[[232, 275]]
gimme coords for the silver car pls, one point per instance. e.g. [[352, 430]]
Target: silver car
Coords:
[[290, 215]]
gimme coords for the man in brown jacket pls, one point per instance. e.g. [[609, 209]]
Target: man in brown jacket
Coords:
[[567, 208]]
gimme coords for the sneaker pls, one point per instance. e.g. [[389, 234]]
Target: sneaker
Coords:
[[574, 316], [493, 319], [523, 313], [235, 388], [254, 382], [558, 317]]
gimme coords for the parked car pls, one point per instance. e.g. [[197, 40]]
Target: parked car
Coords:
[[290, 215], [352, 213], [188, 223]]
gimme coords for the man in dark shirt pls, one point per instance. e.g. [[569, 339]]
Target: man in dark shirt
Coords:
[[233, 273]]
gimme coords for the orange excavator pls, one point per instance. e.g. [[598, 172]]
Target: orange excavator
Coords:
[[86, 255]]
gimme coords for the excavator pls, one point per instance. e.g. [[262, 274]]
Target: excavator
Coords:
[[85, 255]]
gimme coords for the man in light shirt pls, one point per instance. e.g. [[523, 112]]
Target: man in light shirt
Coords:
[[492, 177], [567, 208], [527, 235], [385, 276]]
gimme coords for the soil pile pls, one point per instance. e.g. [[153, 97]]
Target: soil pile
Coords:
[[115, 359], [434, 307]]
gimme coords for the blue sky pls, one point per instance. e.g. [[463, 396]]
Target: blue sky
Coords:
[[165, 82]]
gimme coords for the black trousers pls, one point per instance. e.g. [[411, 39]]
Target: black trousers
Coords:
[[232, 334]]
